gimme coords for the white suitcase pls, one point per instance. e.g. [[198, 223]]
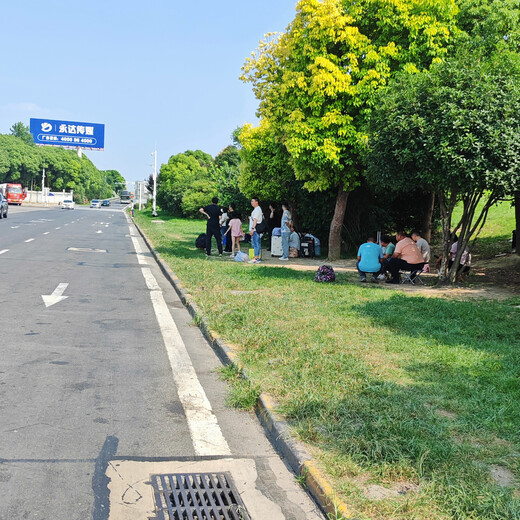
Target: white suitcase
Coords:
[[276, 246]]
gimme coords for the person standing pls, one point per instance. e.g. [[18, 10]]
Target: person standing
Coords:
[[224, 220], [257, 217], [286, 231], [213, 214]]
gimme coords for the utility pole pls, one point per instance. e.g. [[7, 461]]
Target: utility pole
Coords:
[[154, 211]]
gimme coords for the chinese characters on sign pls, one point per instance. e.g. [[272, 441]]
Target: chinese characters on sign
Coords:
[[68, 133]]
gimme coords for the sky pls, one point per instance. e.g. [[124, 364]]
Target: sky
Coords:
[[159, 74]]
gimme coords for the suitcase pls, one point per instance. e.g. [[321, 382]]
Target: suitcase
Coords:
[[307, 247], [276, 246]]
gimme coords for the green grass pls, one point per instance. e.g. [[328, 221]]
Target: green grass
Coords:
[[496, 235], [386, 388]]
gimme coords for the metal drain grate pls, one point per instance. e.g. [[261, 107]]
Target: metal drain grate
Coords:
[[197, 496]]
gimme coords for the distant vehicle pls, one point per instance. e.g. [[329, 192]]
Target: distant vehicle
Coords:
[[13, 193], [4, 207], [95, 203], [106, 202], [125, 197], [68, 204]]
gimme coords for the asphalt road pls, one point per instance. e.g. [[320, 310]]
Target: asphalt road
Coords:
[[106, 381]]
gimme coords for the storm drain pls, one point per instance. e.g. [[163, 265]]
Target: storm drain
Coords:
[[197, 496]]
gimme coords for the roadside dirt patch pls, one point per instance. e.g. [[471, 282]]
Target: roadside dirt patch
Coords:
[[493, 279], [502, 476]]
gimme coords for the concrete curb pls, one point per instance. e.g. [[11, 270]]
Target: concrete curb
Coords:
[[277, 429]]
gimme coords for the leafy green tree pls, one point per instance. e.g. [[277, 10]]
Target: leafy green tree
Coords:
[[22, 132], [454, 130], [317, 82], [181, 178], [114, 180]]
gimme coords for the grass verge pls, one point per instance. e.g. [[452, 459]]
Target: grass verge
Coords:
[[410, 404]]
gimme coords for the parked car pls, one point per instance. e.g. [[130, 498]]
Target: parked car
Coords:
[[106, 202], [68, 204], [95, 203], [4, 206]]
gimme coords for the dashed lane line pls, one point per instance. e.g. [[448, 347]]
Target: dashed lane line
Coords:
[[3, 251], [29, 240], [46, 232]]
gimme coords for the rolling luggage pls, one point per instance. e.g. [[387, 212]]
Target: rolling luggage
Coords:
[[276, 246], [307, 247]]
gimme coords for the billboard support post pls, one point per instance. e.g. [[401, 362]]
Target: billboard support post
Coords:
[[43, 185], [154, 211]]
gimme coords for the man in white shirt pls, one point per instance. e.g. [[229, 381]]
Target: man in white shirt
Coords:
[[424, 248], [257, 217]]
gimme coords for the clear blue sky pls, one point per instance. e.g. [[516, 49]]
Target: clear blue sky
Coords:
[[158, 71]]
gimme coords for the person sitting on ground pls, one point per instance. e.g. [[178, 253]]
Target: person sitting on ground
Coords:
[[294, 243], [424, 248], [235, 231], [388, 250], [369, 258], [465, 259], [406, 257]]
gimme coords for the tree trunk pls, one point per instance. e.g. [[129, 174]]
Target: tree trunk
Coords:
[[337, 224], [428, 215], [517, 216]]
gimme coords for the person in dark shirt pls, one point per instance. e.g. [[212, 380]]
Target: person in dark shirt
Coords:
[[214, 216]]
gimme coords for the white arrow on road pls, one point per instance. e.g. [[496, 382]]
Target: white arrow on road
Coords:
[[56, 296]]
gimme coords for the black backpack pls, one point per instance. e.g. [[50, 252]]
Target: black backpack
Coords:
[[200, 243]]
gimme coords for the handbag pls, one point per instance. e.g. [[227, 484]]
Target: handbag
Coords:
[[261, 227]]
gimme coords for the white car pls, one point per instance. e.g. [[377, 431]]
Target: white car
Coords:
[[95, 203], [68, 204]]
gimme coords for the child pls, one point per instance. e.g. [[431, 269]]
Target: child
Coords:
[[235, 227]]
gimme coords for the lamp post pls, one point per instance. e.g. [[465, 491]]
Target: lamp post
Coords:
[[154, 211]]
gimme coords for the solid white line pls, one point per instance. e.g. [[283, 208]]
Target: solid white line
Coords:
[[3, 251], [140, 257], [203, 425], [29, 240]]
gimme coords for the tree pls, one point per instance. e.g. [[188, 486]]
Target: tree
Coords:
[[455, 130], [317, 82], [22, 132], [115, 181], [181, 178]]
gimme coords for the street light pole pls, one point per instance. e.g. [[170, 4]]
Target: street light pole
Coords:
[[154, 210]]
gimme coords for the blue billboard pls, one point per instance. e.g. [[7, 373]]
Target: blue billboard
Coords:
[[70, 134]]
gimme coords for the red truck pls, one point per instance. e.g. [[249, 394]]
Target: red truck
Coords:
[[13, 193]]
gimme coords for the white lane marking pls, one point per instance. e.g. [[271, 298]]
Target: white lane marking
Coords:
[[58, 228], [106, 225], [205, 431], [99, 231], [140, 257], [86, 250], [3, 251], [29, 240], [15, 227], [56, 296], [46, 232], [66, 224]]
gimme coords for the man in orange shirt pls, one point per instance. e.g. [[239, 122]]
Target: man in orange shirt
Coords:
[[407, 257]]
